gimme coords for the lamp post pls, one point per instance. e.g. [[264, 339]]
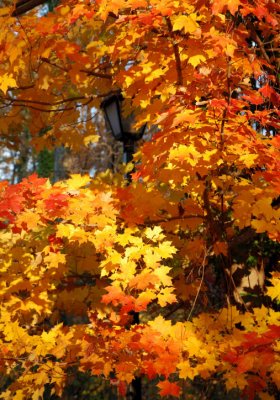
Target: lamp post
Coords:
[[120, 128]]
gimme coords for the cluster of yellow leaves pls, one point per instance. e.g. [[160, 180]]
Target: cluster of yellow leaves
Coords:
[[59, 253]]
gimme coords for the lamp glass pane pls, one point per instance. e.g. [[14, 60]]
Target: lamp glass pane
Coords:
[[112, 113], [127, 122]]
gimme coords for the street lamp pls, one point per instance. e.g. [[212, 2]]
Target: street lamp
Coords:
[[120, 126]]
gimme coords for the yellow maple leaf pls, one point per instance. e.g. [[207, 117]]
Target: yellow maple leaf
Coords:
[[235, 380], [91, 139], [186, 22], [186, 115], [161, 325], [262, 207], [165, 249], [156, 73], [196, 60], [7, 81], [55, 260], [230, 48], [65, 230], [185, 370], [248, 159], [162, 273], [193, 345], [28, 219], [154, 234], [274, 290], [166, 297], [77, 181], [41, 379], [19, 395]]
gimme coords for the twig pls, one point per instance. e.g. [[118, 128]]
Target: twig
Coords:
[[180, 217], [200, 285]]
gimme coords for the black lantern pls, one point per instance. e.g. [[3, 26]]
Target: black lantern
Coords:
[[119, 126]]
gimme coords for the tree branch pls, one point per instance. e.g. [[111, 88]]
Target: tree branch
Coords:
[[179, 217], [256, 37], [90, 73], [45, 103], [23, 6], [176, 53], [51, 110]]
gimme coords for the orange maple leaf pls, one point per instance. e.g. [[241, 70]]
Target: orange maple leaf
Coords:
[[169, 389]]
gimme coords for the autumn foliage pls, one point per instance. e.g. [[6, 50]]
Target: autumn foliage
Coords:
[[191, 244]]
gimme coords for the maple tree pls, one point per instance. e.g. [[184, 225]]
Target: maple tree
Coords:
[[188, 243]]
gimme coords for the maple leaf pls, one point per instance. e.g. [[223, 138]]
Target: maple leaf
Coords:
[[186, 22], [28, 219], [185, 370], [55, 202], [248, 159], [235, 380], [143, 300], [196, 60], [254, 98], [168, 388], [274, 290], [162, 273], [77, 181], [48, 342], [144, 280], [221, 248], [165, 249], [246, 362], [91, 139], [219, 6], [266, 90], [154, 234], [115, 294], [166, 297], [7, 81]]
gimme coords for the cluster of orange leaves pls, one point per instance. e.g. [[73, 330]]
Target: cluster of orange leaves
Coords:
[[78, 257]]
